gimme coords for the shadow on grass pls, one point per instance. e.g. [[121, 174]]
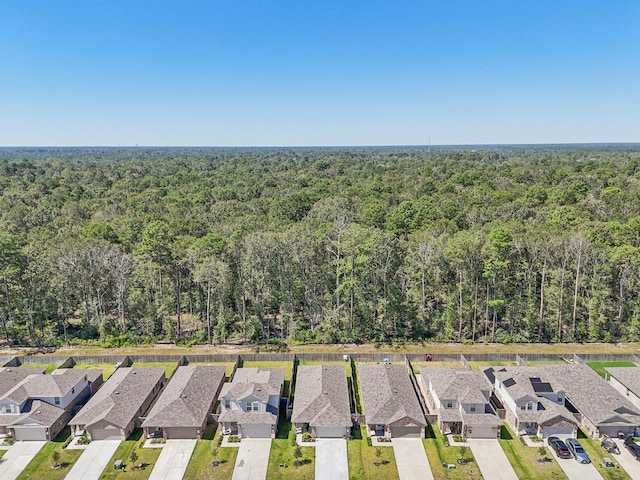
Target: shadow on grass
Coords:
[[209, 432], [356, 432], [429, 433], [135, 435], [505, 434]]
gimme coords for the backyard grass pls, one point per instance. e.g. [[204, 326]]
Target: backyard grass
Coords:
[[107, 368], [346, 365], [228, 366], [524, 459], [596, 454], [146, 456], [288, 371], [600, 366], [362, 459], [439, 454], [478, 366], [40, 467], [200, 466], [169, 368], [418, 365], [47, 368]]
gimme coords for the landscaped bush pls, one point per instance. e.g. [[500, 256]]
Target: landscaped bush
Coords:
[[306, 437], [84, 440], [233, 439]]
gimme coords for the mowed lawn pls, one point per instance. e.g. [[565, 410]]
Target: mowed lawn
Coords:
[[439, 454], [169, 368], [41, 467], [107, 368], [206, 452], [599, 367], [597, 453], [364, 461], [227, 365], [47, 368], [146, 456]]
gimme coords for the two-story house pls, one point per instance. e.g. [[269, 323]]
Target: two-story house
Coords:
[[460, 399], [39, 406], [249, 405], [534, 401]]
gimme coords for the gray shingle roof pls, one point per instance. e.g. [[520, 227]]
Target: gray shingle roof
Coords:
[[10, 376], [388, 396], [120, 398], [248, 417], [628, 376], [465, 386], [187, 399], [39, 412], [321, 396], [259, 382]]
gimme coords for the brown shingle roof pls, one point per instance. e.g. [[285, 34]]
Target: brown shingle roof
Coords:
[[259, 382], [388, 396], [321, 396], [188, 397], [628, 376], [465, 386], [10, 376]]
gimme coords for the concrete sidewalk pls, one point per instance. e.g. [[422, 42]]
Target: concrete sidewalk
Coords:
[[17, 458], [252, 459], [94, 460], [491, 459], [331, 459], [411, 459], [173, 460]]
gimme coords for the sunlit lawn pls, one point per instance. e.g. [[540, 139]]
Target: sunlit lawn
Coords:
[[365, 464], [40, 467], [282, 453], [480, 365], [107, 368], [418, 365], [47, 368], [597, 453], [228, 366], [201, 464], [439, 454], [347, 365], [169, 368], [524, 459], [600, 366], [146, 456]]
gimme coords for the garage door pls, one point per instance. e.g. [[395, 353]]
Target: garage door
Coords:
[[256, 431], [30, 433], [406, 432], [107, 434], [481, 431], [556, 431], [181, 432], [330, 432]]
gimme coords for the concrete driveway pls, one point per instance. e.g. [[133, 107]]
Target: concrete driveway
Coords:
[[331, 459], [17, 458], [626, 460], [252, 459], [491, 459], [94, 460], [173, 460], [411, 459], [574, 470]]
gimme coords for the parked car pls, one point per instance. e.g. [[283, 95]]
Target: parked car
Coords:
[[610, 445], [633, 447], [559, 447], [577, 451]]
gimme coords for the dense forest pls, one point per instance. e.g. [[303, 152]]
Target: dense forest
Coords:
[[506, 244]]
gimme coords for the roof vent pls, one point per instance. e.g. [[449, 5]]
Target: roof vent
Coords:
[[38, 412], [326, 393], [184, 395]]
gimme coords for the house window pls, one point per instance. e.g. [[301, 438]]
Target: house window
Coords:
[[227, 403], [253, 407], [57, 400], [7, 408], [448, 404], [472, 408]]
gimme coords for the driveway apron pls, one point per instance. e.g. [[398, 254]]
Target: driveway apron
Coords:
[[252, 459], [94, 460], [491, 459], [331, 459], [577, 471], [173, 460], [411, 459], [17, 458]]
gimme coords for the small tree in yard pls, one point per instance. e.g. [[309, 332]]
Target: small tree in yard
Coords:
[[134, 456], [297, 454], [542, 451], [463, 451], [378, 454], [55, 456]]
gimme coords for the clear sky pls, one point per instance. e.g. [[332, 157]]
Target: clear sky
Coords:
[[302, 72]]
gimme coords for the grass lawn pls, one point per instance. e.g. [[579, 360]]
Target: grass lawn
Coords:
[[288, 371], [147, 456], [363, 459], [546, 362], [478, 366], [200, 467], [418, 365], [438, 453], [597, 453], [346, 365], [48, 368], [283, 452], [107, 368], [600, 366], [40, 468], [2, 452], [228, 366], [524, 459], [169, 368]]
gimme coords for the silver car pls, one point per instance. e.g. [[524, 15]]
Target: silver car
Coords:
[[577, 451]]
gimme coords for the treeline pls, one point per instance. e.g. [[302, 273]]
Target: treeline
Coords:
[[320, 245]]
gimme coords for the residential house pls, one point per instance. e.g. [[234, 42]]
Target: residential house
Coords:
[[116, 409], [626, 380], [249, 405], [184, 408], [321, 404], [390, 403], [39, 406], [603, 410], [460, 399], [534, 401]]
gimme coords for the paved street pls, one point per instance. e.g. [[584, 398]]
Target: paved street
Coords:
[[331, 459], [94, 460], [411, 459], [173, 460], [17, 458], [252, 459]]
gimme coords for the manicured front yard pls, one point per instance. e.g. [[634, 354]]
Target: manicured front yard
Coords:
[[41, 467], [365, 464], [597, 453], [600, 366], [282, 453], [201, 464], [524, 459], [146, 456], [439, 454]]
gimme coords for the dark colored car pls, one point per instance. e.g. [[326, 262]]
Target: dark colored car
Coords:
[[559, 447], [577, 451], [633, 447]]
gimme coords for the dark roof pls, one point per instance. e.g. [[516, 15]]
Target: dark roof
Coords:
[[322, 396]]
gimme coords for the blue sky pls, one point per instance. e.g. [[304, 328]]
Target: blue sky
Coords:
[[271, 73]]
